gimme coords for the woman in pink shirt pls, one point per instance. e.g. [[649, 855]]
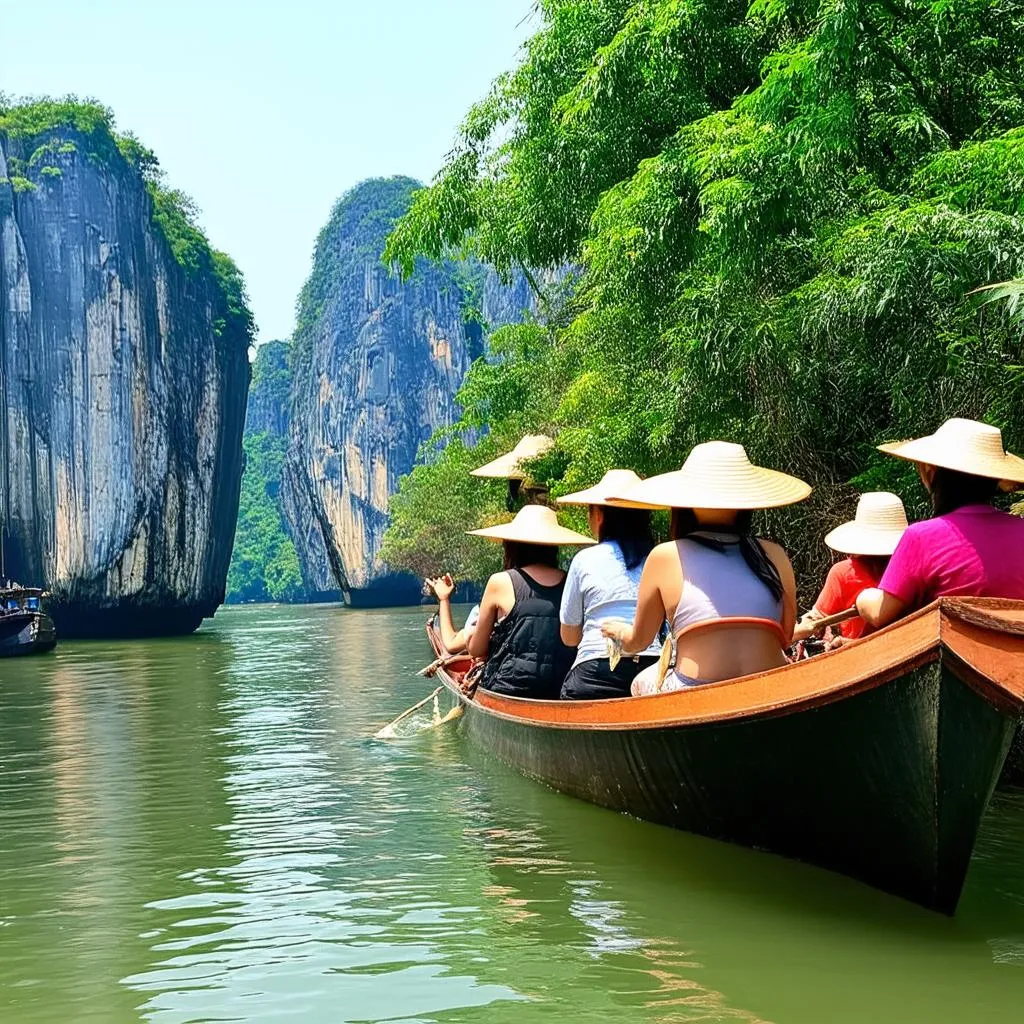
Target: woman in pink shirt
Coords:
[[969, 548]]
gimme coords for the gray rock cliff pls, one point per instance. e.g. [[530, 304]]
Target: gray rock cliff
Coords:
[[376, 365], [123, 380]]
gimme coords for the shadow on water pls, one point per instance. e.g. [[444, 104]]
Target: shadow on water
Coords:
[[202, 829]]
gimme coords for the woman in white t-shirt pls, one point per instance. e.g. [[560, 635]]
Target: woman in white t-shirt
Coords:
[[602, 584]]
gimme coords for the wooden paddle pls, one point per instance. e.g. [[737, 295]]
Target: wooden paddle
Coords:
[[833, 620], [388, 732]]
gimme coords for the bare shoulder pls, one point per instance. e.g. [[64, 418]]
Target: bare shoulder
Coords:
[[776, 552], [498, 583], [780, 559], [662, 553]]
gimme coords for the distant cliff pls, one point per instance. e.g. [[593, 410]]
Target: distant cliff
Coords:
[[264, 564], [376, 365], [123, 379]]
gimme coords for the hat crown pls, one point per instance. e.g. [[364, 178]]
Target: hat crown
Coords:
[[881, 510], [531, 446], [536, 517], [972, 436], [716, 459], [616, 481]]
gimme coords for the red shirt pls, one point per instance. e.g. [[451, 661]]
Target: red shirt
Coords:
[[846, 579]]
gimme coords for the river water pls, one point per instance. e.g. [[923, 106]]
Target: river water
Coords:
[[202, 829]]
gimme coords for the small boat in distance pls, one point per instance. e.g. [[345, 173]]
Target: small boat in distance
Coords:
[[876, 760], [25, 627]]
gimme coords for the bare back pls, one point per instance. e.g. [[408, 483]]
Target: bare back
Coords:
[[711, 652]]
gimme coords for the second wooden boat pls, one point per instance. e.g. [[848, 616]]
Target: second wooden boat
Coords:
[[876, 760], [25, 627]]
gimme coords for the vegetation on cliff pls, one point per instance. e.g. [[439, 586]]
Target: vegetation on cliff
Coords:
[[55, 129], [778, 210], [264, 563]]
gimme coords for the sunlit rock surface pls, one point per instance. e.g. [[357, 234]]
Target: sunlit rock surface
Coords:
[[376, 365], [123, 399]]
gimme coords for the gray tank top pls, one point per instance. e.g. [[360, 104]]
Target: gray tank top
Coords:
[[720, 585]]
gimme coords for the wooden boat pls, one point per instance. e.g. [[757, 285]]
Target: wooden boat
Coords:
[[25, 627], [876, 760]]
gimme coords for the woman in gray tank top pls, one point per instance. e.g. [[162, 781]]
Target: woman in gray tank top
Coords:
[[731, 597]]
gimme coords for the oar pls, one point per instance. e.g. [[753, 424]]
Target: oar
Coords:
[[834, 620], [388, 732]]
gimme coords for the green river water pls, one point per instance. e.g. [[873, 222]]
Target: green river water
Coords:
[[201, 829]]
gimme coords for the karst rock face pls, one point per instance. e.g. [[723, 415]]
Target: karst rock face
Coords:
[[123, 382], [377, 361]]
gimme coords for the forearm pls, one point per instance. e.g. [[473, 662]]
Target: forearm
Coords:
[[449, 635], [878, 607], [641, 634]]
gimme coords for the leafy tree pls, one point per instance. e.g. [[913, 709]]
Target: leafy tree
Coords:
[[264, 563], [777, 212]]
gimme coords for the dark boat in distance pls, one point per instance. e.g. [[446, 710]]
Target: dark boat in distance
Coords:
[[25, 627], [876, 760]]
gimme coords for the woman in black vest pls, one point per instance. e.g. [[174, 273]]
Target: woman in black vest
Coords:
[[518, 633]]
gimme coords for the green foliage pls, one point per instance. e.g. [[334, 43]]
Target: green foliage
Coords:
[[264, 563], [433, 508], [778, 212], [51, 130]]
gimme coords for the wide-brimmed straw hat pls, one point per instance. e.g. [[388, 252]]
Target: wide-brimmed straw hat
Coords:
[[966, 446], [880, 522], [533, 524], [506, 467], [718, 474], [615, 481]]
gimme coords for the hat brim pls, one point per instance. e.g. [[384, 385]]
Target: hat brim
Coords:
[[1008, 469], [854, 539], [553, 536], [763, 488], [596, 496], [502, 468]]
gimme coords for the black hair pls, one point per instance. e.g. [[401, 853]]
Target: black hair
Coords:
[[518, 554], [630, 528], [951, 489], [683, 524]]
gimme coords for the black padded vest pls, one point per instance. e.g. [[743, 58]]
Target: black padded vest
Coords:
[[527, 657]]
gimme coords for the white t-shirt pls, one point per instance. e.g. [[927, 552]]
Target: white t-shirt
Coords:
[[599, 587], [471, 620]]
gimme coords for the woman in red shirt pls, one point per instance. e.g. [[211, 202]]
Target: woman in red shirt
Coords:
[[869, 540]]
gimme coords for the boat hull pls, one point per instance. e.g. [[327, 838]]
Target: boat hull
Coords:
[[884, 777], [26, 633]]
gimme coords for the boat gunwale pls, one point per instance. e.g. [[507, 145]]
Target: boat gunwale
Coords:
[[938, 631]]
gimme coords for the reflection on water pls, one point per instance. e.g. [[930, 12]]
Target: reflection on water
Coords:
[[201, 829]]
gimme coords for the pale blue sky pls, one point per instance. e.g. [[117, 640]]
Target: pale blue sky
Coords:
[[265, 112]]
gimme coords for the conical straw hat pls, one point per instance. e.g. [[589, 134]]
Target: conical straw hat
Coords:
[[718, 474], [533, 524], [966, 446], [880, 522], [615, 481], [506, 467]]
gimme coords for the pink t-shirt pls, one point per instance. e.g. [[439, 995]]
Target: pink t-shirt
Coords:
[[976, 551]]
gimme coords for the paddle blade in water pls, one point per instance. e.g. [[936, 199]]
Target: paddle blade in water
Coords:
[[427, 714]]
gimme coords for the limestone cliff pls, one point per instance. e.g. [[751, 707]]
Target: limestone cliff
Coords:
[[376, 366], [123, 379]]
